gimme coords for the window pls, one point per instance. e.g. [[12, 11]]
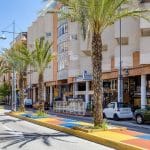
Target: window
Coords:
[[113, 84], [48, 34], [111, 105], [62, 61], [104, 47], [124, 40], [63, 47], [145, 32], [74, 37], [63, 29]]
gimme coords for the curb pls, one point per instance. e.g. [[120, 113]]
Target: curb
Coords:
[[81, 134]]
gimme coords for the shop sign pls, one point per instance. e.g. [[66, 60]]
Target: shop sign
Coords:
[[84, 77]]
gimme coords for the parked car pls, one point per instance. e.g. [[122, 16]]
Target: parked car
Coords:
[[116, 111], [28, 102], [142, 115]]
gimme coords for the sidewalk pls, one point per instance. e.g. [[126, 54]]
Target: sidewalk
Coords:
[[115, 137]]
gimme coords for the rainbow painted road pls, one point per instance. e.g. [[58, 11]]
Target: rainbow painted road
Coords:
[[123, 136]]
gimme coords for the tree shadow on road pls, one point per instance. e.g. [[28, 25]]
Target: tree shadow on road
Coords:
[[4, 121], [22, 138]]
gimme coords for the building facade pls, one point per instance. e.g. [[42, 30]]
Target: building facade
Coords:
[[44, 26], [70, 74]]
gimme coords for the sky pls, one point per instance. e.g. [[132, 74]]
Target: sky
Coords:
[[23, 12]]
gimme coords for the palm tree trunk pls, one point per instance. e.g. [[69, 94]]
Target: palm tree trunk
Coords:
[[97, 78], [41, 88], [21, 97], [41, 93]]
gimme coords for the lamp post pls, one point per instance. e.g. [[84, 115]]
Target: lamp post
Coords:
[[14, 97], [120, 77]]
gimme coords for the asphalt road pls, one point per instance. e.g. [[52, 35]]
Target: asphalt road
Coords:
[[18, 134]]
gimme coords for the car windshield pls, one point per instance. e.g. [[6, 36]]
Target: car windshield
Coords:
[[122, 105], [148, 107]]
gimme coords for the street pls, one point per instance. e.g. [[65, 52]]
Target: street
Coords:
[[18, 134]]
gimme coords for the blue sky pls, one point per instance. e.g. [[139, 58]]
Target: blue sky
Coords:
[[22, 11]]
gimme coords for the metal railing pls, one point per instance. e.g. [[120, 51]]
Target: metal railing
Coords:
[[77, 107]]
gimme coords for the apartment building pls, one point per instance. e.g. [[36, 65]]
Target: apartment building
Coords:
[[44, 26], [70, 76], [135, 38]]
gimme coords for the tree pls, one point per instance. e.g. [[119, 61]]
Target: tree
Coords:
[[97, 15], [18, 59], [4, 68], [4, 90], [41, 56]]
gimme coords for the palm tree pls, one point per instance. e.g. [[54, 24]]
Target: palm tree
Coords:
[[97, 15], [4, 68], [5, 87], [41, 56], [18, 59]]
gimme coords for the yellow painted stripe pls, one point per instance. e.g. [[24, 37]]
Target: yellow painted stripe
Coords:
[[46, 119], [83, 123], [118, 137]]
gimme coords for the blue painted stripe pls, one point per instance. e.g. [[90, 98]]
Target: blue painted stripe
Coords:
[[144, 136]]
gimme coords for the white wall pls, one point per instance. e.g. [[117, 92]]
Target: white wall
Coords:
[[38, 29], [130, 29]]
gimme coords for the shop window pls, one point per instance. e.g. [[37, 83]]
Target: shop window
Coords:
[[148, 85], [113, 84], [91, 85], [81, 87]]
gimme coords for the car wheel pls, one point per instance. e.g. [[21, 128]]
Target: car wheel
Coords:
[[116, 117], [104, 116], [139, 119]]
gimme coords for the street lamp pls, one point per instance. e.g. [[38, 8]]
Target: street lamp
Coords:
[[120, 77], [3, 37], [13, 72]]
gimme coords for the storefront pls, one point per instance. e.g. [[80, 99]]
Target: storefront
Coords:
[[136, 87]]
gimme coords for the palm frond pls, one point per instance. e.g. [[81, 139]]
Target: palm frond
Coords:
[[41, 55], [99, 14]]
